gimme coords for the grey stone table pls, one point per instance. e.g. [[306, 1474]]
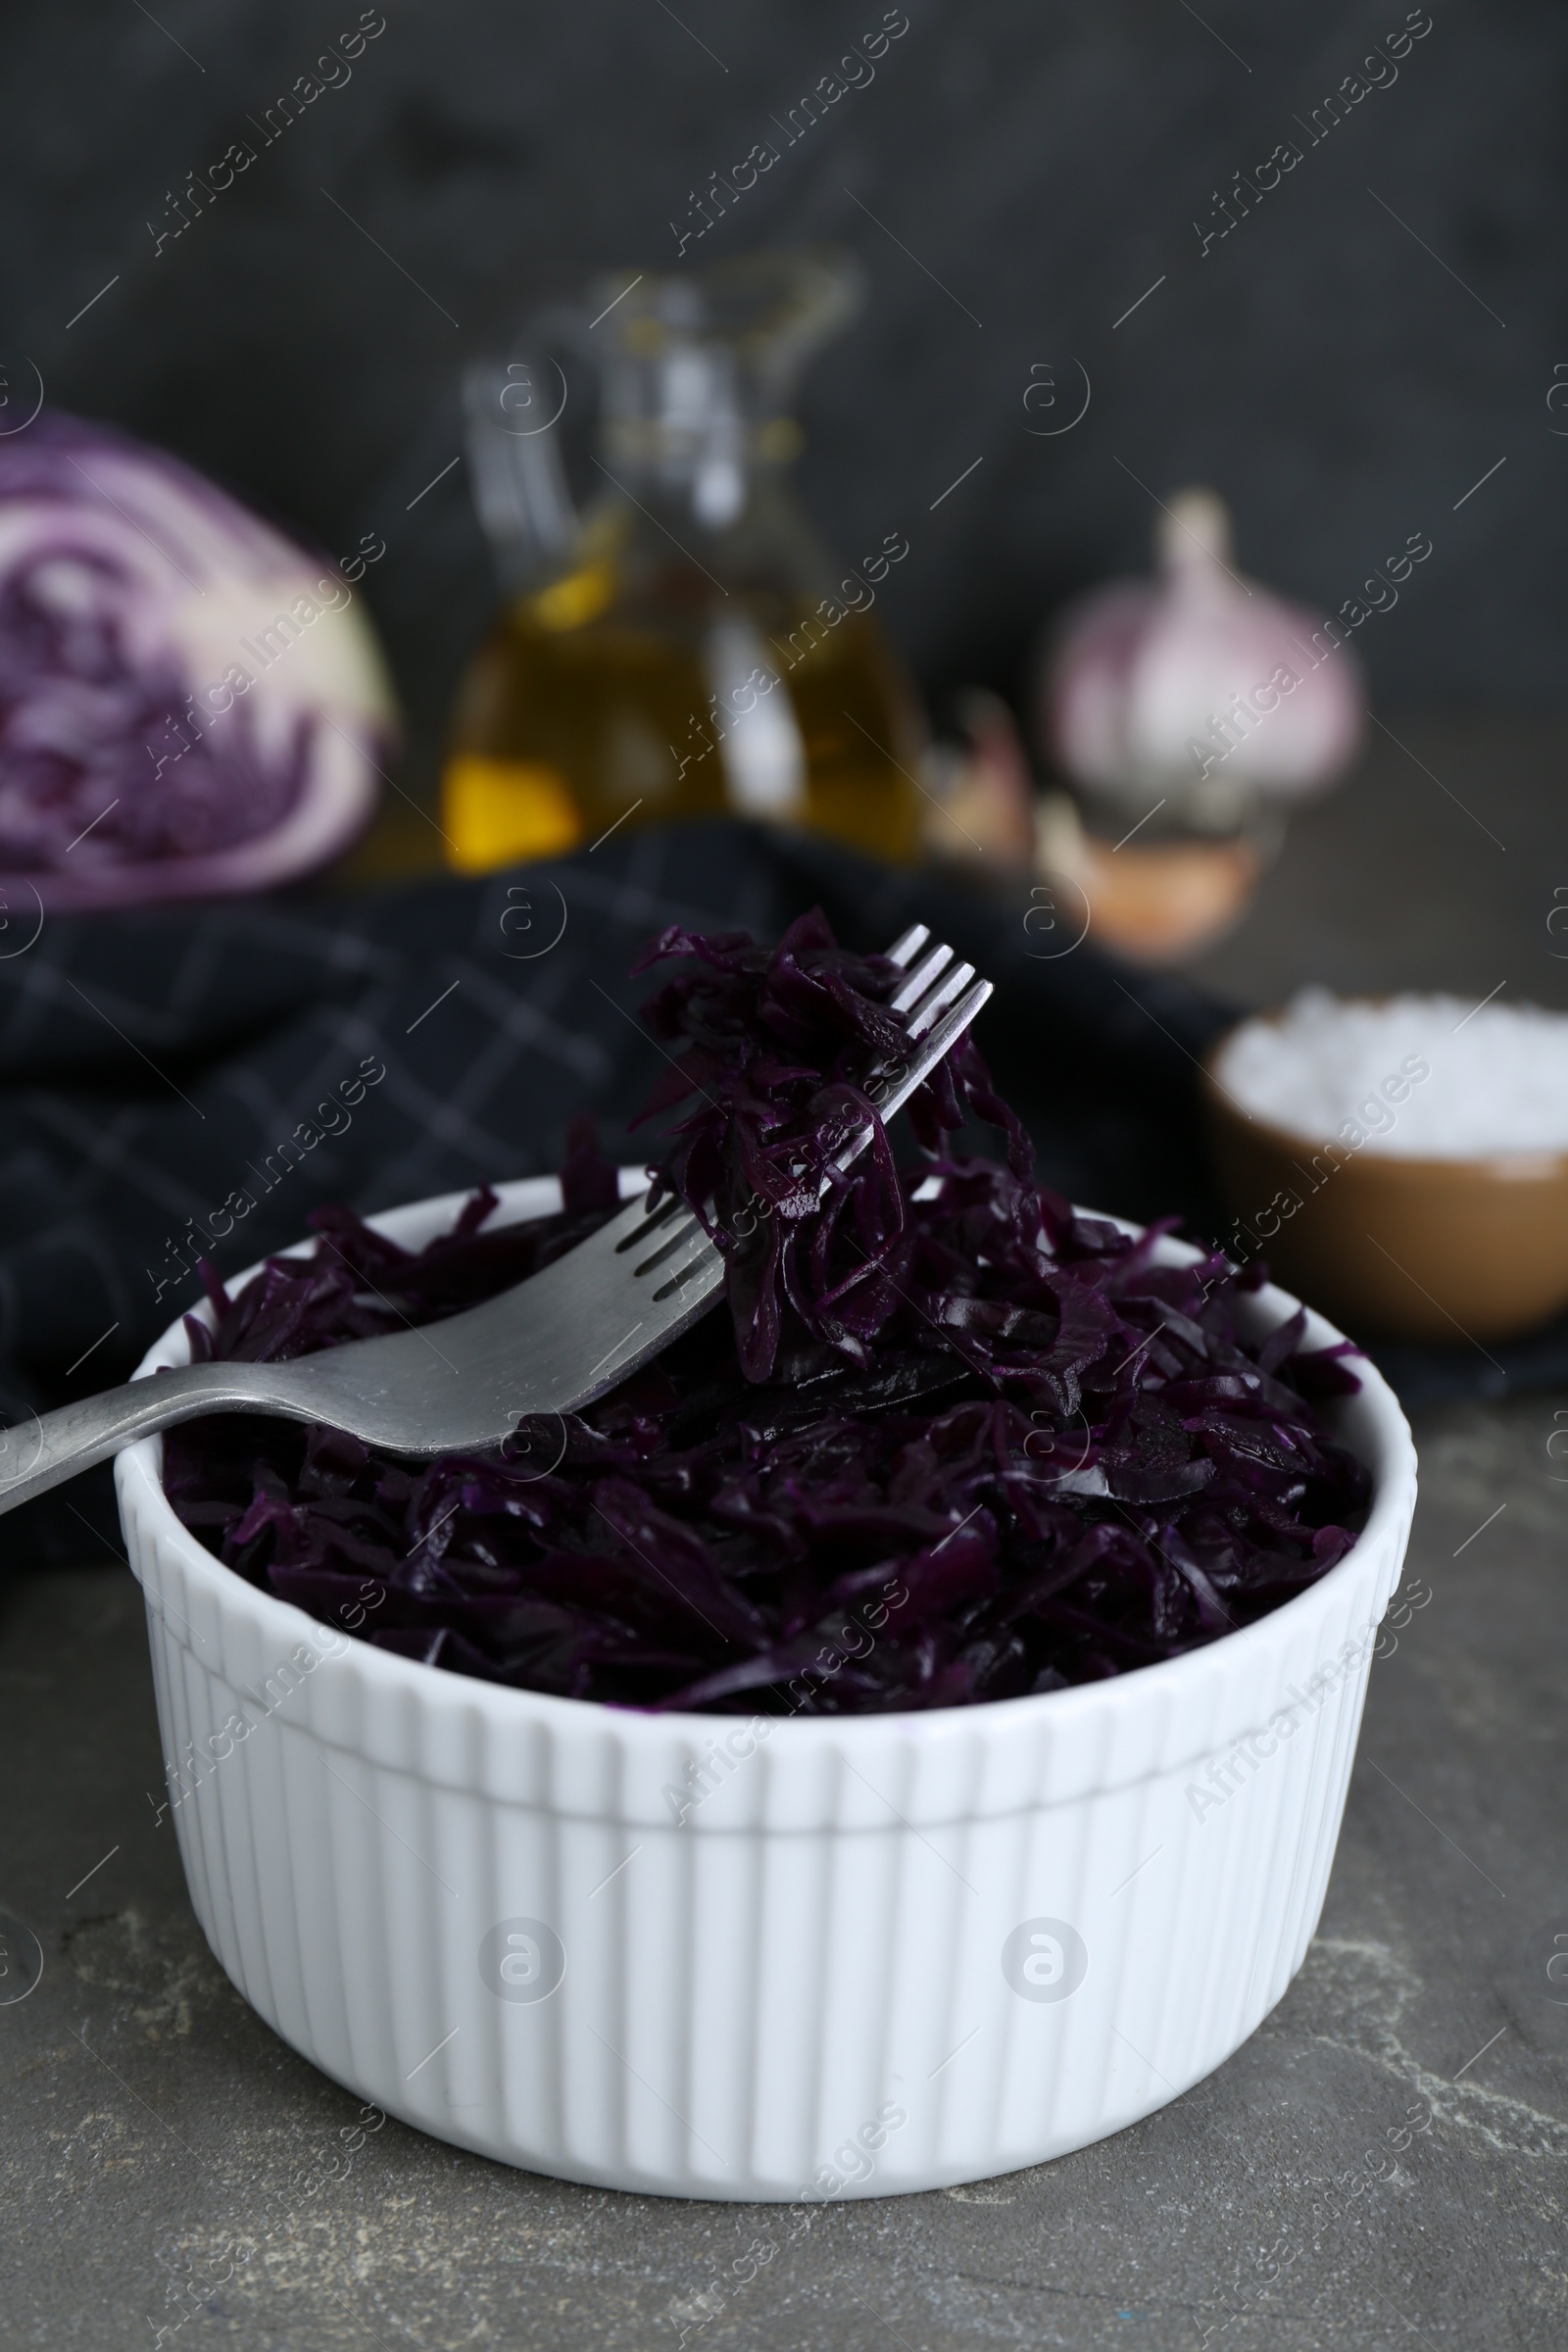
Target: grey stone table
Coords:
[[1383, 2163]]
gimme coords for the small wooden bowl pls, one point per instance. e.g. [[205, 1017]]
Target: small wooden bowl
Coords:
[[1437, 1250]]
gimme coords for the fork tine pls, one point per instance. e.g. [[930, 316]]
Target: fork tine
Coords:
[[951, 984], [679, 1277], [934, 1047], [905, 949], [671, 1205], [920, 979], [667, 1249]]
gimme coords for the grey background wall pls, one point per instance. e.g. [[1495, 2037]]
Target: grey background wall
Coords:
[[1343, 374]]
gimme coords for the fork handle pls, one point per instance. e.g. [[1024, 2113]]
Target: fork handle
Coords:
[[49, 1448]]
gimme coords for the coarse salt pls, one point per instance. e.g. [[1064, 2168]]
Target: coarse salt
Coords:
[[1423, 1077]]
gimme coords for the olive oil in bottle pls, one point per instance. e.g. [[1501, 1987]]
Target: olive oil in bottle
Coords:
[[685, 650]]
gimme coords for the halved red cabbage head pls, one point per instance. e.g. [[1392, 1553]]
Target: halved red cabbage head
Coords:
[[954, 1440], [188, 702]]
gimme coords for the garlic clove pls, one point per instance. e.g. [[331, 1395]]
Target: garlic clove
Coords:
[[980, 801]]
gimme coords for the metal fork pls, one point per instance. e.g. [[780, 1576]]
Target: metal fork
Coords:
[[548, 1345]]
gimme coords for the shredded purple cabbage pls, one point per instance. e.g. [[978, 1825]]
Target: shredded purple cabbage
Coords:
[[954, 1442]]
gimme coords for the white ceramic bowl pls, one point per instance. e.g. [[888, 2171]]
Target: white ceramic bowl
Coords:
[[884, 1953]]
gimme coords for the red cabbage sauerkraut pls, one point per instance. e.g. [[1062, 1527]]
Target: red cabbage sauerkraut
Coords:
[[953, 1442]]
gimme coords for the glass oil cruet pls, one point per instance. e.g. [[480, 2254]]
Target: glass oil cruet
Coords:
[[685, 647]]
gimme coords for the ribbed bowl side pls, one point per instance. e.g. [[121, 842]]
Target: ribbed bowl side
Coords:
[[739, 2009]]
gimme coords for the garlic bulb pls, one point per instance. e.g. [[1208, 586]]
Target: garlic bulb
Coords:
[[1199, 685]]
